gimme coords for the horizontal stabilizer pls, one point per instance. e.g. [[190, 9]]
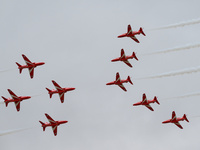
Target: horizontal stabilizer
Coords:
[[19, 67]]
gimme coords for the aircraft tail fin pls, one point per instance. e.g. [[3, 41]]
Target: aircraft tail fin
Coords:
[[184, 116], [134, 56], [5, 100], [19, 66], [42, 125], [141, 31], [50, 94], [129, 80], [155, 99]]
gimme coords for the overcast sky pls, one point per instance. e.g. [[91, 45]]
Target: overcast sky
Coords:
[[77, 40]]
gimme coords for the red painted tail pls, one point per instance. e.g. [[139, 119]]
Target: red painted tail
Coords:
[[42, 125], [184, 117], [5, 100], [50, 94], [141, 31], [19, 67], [134, 56], [155, 99], [129, 80]]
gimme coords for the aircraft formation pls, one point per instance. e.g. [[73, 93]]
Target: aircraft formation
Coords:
[[120, 82], [61, 91], [18, 99]]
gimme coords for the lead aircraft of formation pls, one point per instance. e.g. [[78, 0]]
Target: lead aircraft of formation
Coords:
[[132, 34], [30, 65]]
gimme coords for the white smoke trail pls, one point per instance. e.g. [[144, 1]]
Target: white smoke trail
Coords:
[[38, 95], [13, 131], [7, 70], [175, 73], [175, 49], [194, 116], [183, 96], [182, 24]]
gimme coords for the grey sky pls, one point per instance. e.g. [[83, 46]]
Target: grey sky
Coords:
[[77, 40]]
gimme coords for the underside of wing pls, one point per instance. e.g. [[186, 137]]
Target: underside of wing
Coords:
[[144, 98], [122, 54], [61, 95], [17, 104], [49, 119], [28, 62], [148, 106], [58, 87], [117, 77], [54, 128], [31, 72], [122, 87], [129, 30], [135, 39], [173, 115], [12, 94], [179, 125], [128, 63]]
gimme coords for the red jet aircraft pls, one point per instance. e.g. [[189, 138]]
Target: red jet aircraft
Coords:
[[125, 58], [61, 91], [132, 34], [30, 65], [120, 82], [146, 102], [176, 120], [54, 124], [16, 99]]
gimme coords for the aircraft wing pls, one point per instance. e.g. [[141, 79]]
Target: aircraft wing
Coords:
[[178, 124], [148, 106], [135, 39], [56, 85], [128, 63], [173, 115], [12, 94], [144, 98], [117, 77], [123, 53], [49, 119], [129, 30], [122, 87], [61, 95], [54, 128], [17, 104], [28, 62], [31, 71]]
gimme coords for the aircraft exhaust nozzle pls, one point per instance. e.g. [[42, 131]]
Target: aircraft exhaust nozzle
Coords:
[[155, 99], [184, 116], [129, 80], [19, 67], [141, 31], [134, 55]]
